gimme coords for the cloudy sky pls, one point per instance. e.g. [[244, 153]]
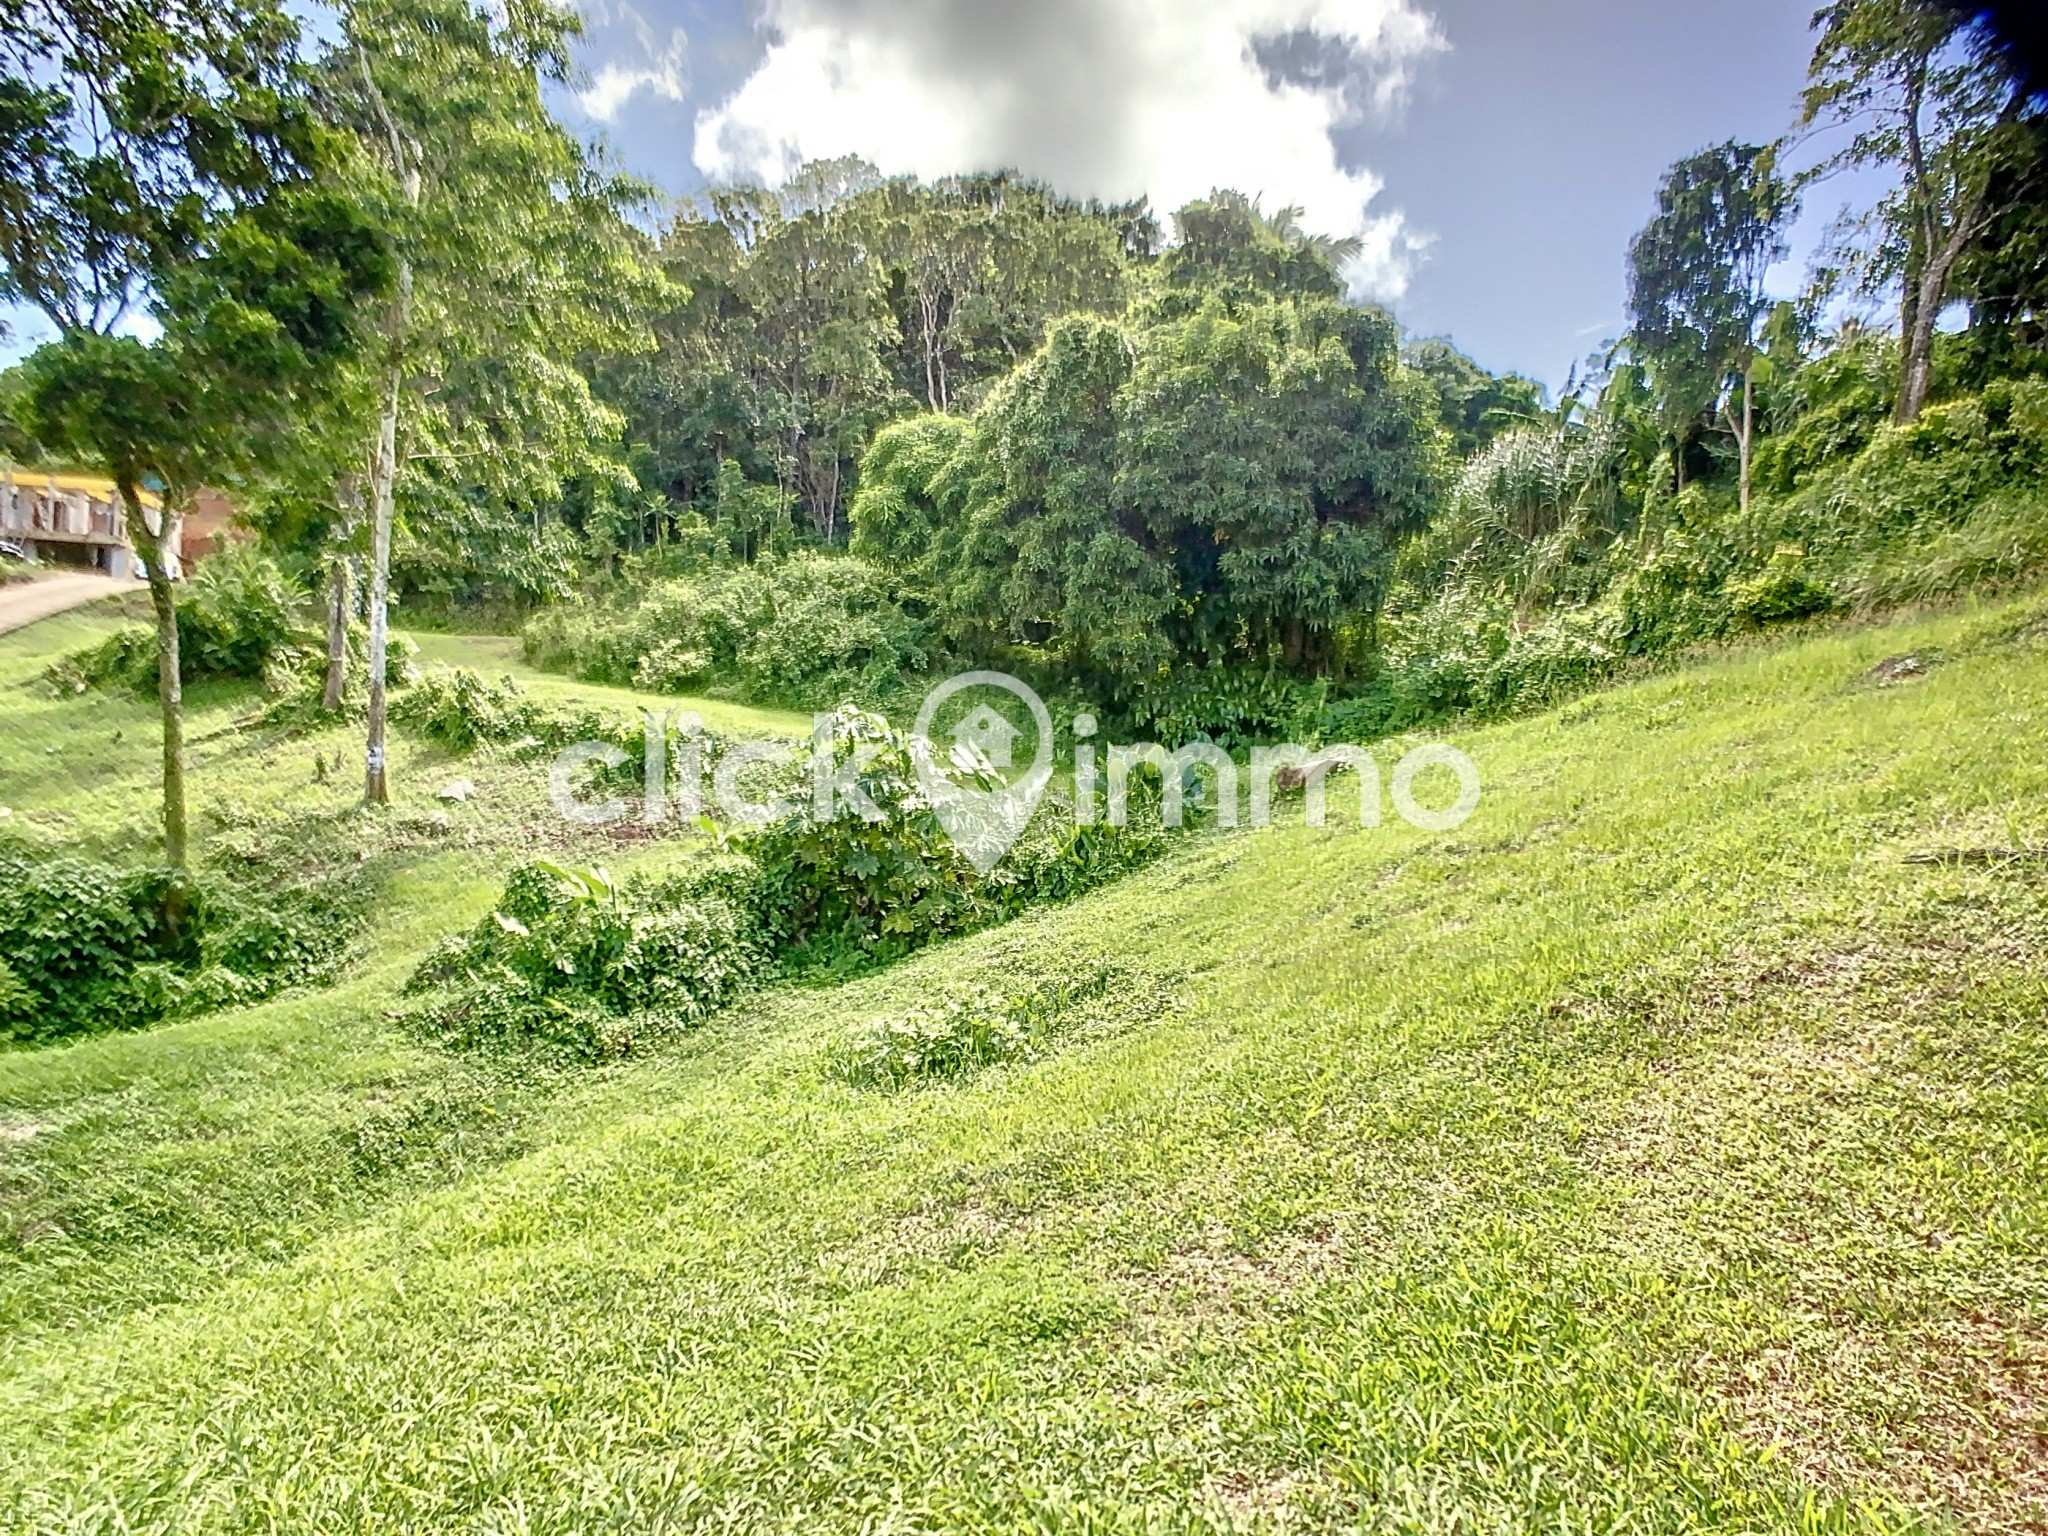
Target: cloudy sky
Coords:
[[1495, 155]]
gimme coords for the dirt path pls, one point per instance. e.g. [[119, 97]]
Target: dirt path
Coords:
[[25, 602]]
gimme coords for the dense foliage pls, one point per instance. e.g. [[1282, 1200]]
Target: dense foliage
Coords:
[[238, 617], [575, 962], [800, 631], [90, 947]]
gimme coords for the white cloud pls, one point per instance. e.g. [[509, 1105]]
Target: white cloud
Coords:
[[1101, 98], [664, 70]]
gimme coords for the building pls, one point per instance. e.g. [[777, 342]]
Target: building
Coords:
[[79, 520], [206, 528]]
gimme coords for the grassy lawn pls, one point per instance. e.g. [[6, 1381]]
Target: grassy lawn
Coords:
[[1666, 1149]]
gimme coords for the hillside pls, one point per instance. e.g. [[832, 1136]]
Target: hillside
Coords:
[[1662, 1150]]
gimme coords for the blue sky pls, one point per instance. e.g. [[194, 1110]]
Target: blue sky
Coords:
[[1494, 155]]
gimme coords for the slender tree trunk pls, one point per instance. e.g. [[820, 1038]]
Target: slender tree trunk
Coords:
[[1916, 339], [340, 599], [383, 471], [1742, 438], [384, 466], [928, 325], [158, 552]]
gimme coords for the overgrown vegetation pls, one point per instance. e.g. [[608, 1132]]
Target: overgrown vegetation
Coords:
[[576, 960], [88, 947], [1662, 1152], [850, 888], [793, 632], [1612, 1136], [967, 1027], [238, 618]]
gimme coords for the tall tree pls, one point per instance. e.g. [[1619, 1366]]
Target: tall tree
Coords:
[[165, 163], [986, 263], [1226, 482], [513, 260], [1926, 90], [1475, 406], [1696, 279]]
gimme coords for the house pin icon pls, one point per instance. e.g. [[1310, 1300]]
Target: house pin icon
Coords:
[[989, 733]]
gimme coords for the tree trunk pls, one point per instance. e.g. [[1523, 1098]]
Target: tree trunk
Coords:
[[383, 471], [1916, 345], [340, 598], [928, 327], [170, 689], [1293, 640], [1925, 295], [1744, 429], [384, 465]]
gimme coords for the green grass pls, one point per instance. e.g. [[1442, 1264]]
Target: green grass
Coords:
[[1663, 1150], [80, 773]]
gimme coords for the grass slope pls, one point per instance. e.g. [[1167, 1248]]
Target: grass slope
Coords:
[[1663, 1150]]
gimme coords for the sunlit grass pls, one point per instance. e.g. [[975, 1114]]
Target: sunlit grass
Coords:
[[1662, 1150]]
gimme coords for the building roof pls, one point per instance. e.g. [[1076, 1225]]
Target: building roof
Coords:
[[99, 487]]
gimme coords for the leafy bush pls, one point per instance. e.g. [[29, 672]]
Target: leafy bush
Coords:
[[296, 682], [963, 1030], [850, 881], [788, 632], [90, 947], [456, 708], [1672, 595], [1231, 706], [1837, 401], [2002, 541], [575, 962], [1913, 480], [849, 890], [238, 617], [1781, 592]]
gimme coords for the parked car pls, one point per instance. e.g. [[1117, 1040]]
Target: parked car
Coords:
[[20, 554]]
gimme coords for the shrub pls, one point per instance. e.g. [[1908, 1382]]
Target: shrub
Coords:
[[1913, 480], [456, 708], [90, 947], [1231, 706], [575, 962], [1672, 596], [1780, 593], [849, 890], [968, 1027], [2004, 540], [789, 632], [848, 881], [238, 617], [960, 1031], [296, 682], [238, 614]]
